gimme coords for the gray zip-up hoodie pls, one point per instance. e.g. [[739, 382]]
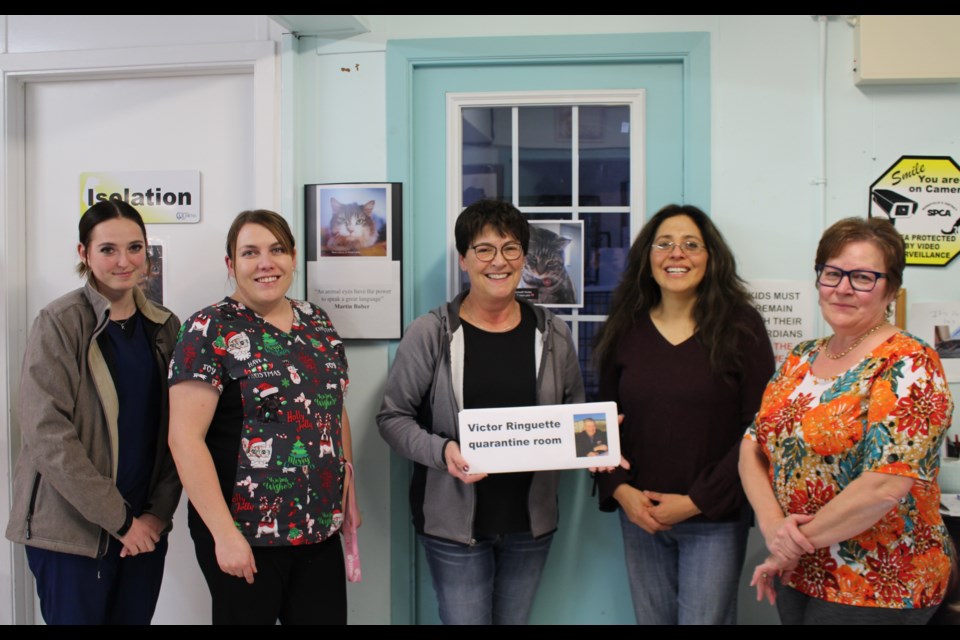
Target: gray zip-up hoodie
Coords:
[[419, 416]]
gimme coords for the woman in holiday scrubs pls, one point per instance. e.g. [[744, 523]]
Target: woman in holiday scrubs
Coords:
[[261, 437]]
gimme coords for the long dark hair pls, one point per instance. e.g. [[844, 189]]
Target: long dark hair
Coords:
[[720, 296], [104, 210]]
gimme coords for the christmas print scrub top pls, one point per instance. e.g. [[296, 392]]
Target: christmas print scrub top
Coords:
[[888, 414], [276, 435]]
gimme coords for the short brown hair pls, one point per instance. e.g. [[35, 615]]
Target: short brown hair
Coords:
[[880, 232], [273, 222], [505, 219]]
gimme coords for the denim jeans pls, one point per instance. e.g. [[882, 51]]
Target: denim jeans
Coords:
[[490, 582], [687, 575]]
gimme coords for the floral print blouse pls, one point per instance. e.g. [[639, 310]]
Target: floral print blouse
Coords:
[[887, 414]]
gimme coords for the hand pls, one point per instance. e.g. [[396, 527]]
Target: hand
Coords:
[[153, 522], [637, 507], [785, 541], [458, 467], [624, 464], [763, 580], [235, 556], [671, 508], [140, 538]]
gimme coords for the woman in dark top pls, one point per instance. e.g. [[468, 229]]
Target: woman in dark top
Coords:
[[486, 538], [686, 358], [95, 486]]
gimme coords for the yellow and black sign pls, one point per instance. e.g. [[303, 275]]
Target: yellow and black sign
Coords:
[[920, 195]]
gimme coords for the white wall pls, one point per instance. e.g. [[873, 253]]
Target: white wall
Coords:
[[42, 33], [765, 129], [765, 123]]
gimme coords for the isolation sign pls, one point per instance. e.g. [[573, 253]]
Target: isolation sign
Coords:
[[920, 195], [171, 197]]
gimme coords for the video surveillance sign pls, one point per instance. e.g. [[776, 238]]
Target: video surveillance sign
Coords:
[[920, 195]]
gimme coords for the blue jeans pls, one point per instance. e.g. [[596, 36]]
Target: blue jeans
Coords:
[[687, 575], [490, 582]]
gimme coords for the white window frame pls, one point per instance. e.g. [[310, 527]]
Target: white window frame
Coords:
[[632, 98]]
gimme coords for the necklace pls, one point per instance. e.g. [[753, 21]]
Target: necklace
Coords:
[[509, 324], [856, 343], [123, 323]]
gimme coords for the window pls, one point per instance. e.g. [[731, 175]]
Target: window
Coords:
[[572, 162]]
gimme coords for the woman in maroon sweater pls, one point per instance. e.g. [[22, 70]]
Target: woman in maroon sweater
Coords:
[[686, 358]]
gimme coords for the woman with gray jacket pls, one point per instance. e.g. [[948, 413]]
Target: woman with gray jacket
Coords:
[[95, 487], [486, 538]]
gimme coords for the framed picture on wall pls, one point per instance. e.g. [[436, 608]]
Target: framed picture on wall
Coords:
[[152, 283], [354, 256], [938, 324], [553, 271]]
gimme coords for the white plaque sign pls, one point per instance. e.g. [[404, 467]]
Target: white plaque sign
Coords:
[[563, 436]]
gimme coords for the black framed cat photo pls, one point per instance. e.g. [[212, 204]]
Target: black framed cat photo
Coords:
[[353, 256]]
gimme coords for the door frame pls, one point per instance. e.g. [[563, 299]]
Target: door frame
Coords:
[[404, 58], [17, 71]]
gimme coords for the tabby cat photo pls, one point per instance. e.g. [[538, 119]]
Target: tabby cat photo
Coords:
[[353, 230], [544, 269]]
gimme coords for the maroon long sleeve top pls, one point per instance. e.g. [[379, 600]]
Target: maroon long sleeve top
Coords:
[[683, 424]]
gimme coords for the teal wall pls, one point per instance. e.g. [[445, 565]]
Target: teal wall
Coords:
[[674, 71], [763, 188]]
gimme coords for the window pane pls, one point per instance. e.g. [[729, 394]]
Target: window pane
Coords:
[[591, 378], [487, 154], [545, 156], [539, 215], [604, 156], [607, 240]]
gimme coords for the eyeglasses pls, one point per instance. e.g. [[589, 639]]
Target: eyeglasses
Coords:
[[860, 279], [487, 252], [689, 247]]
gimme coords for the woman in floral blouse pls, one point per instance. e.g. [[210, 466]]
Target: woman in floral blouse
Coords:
[[841, 463]]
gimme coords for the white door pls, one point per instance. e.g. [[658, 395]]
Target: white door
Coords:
[[197, 122]]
